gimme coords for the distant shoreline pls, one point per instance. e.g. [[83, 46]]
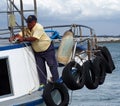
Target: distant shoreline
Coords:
[[108, 39]]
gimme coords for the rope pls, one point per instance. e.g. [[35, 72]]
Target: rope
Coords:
[[71, 95], [33, 60], [32, 68], [33, 63]]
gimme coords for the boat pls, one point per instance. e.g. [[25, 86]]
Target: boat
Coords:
[[76, 54]]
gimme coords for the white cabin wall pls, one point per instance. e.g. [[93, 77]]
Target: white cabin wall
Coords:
[[22, 70], [31, 67]]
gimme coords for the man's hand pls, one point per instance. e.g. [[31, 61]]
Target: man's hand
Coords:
[[16, 38]]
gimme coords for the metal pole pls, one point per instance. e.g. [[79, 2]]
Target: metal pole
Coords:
[[10, 25], [22, 20], [89, 50], [35, 8], [17, 9]]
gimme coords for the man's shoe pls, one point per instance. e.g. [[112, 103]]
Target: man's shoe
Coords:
[[41, 87]]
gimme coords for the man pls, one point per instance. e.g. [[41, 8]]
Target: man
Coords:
[[42, 46]]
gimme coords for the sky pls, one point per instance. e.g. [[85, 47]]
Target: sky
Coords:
[[101, 15]]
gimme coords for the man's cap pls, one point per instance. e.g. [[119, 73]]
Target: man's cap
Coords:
[[31, 18]]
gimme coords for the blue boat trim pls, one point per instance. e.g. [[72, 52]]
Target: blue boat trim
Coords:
[[14, 46], [55, 34], [32, 103]]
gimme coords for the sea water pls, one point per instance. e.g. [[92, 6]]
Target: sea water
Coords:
[[107, 94]]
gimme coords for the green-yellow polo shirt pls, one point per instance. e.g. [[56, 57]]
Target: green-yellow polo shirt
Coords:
[[43, 41]]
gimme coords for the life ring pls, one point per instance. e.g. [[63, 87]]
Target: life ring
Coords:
[[92, 73], [73, 76], [106, 54], [63, 92]]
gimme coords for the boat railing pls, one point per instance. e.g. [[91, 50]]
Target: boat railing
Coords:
[[14, 10], [88, 47], [88, 40]]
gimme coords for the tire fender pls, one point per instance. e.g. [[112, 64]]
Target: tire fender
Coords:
[[108, 58], [73, 76], [51, 87], [92, 73]]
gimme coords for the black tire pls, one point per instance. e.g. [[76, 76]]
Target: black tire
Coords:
[[92, 73], [99, 53], [102, 65], [49, 88], [107, 56], [73, 76]]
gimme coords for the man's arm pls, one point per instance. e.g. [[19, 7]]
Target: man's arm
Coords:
[[20, 38], [30, 39]]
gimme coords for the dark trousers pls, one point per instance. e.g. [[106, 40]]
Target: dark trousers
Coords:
[[49, 57]]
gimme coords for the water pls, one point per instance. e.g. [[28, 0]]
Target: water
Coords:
[[107, 94]]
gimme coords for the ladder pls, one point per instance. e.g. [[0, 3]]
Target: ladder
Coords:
[[16, 15]]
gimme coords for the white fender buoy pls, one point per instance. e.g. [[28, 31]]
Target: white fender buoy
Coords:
[[65, 48]]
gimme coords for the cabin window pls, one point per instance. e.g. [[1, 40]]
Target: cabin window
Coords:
[[5, 83]]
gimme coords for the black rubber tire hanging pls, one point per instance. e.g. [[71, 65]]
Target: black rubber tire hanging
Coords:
[[92, 74], [73, 76], [63, 91], [108, 58]]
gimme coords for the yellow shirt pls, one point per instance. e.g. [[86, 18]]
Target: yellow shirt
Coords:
[[43, 41]]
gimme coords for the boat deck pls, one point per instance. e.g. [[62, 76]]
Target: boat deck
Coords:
[[34, 98]]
